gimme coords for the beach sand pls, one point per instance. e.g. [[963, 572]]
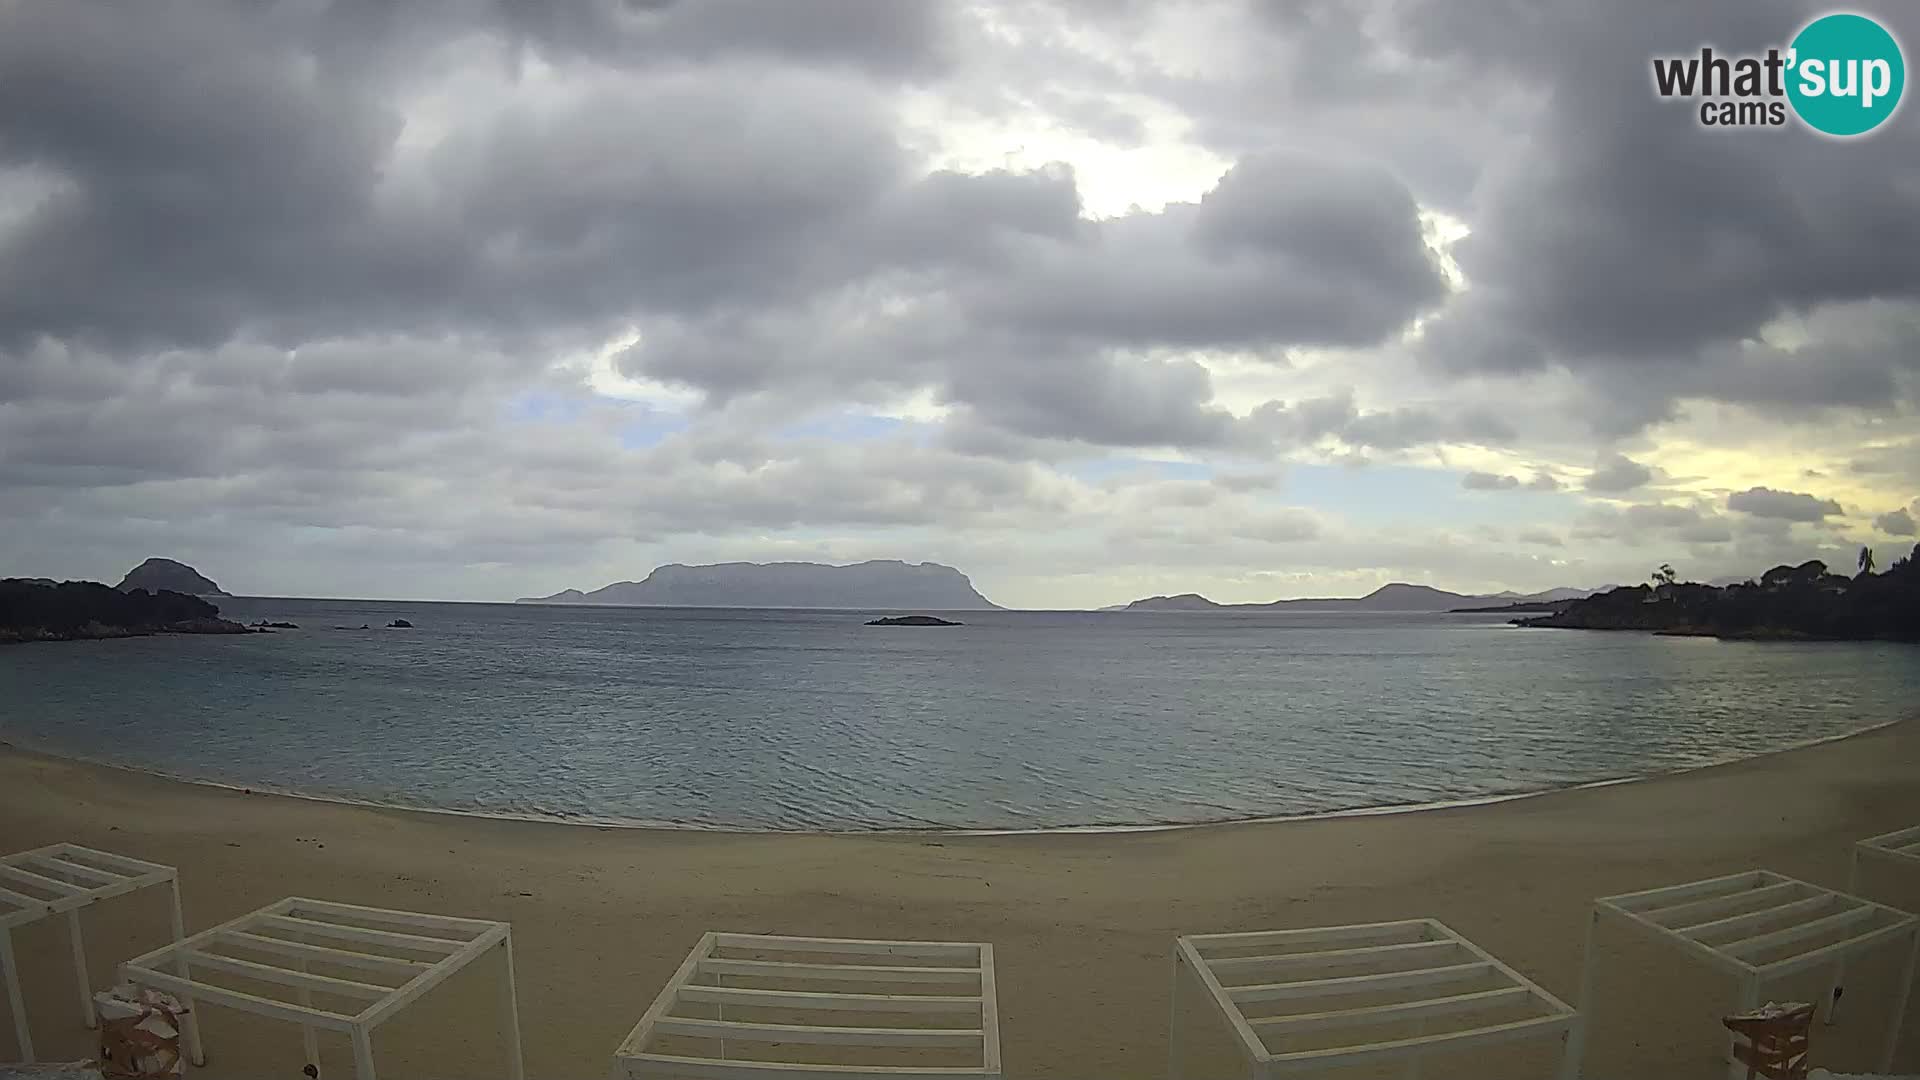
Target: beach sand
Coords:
[[1082, 924]]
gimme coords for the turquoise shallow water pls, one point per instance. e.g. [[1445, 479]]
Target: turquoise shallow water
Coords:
[[1017, 720]]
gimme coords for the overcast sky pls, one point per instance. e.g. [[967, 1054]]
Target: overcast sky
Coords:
[[1091, 299]]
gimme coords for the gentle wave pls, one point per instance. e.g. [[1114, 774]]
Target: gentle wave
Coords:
[[562, 818]]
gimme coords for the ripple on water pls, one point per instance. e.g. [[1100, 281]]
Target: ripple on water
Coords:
[[801, 720]]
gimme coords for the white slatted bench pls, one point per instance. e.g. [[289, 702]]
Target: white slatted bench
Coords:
[[1337, 996], [924, 1010], [61, 879], [371, 961], [1758, 926]]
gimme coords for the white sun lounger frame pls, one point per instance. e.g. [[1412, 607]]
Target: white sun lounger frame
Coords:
[[61, 879], [959, 976], [375, 943], [1718, 922], [1361, 958], [1901, 847]]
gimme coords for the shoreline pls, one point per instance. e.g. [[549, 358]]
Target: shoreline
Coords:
[[583, 821], [1081, 922]]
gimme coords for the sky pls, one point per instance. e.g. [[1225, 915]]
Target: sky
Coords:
[[1091, 299]]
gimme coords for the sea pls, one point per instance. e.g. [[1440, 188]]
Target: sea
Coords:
[[1016, 720]]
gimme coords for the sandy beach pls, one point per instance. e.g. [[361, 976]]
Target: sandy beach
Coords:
[[1082, 923]]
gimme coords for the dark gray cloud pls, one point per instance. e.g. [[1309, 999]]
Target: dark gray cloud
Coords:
[[1477, 480], [214, 175], [1306, 75], [218, 169], [198, 173], [884, 37], [1895, 523], [1337, 417], [1689, 524], [995, 289], [1617, 473], [1764, 502], [1097, 399], [1626, 244], [1486, 481]]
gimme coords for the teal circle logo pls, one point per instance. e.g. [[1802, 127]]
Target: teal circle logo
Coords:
[[1846, 74]]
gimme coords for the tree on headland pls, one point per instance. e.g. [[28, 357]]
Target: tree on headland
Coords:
[[1906, 564], [1804, 601], [1665, 575], [1866, 561], [1810, 572]]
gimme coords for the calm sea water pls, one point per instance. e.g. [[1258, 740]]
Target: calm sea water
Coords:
[[1017, 720]]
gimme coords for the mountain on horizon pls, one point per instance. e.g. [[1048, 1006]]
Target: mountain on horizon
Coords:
[[865, 586], [1395, 596]]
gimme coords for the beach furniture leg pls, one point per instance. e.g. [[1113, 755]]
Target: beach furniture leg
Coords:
[[1900, 999], [1569, 1064], [309, 1038], [510, 1018], [1840, 966], [720, 1013], [1412, 1070], [12, 971], [1173, 1021], [80, 967], [363, 1054], [1749, 1001], [196, 1052], [1576, 1046]]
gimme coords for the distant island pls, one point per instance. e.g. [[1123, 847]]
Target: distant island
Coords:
[[166, 575], [1398, 596], [1803, 602], [878, 584], [34, 609], [912, 620]]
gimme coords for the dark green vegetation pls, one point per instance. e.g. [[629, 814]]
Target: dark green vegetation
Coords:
[[1788, 602], [33, 610]]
